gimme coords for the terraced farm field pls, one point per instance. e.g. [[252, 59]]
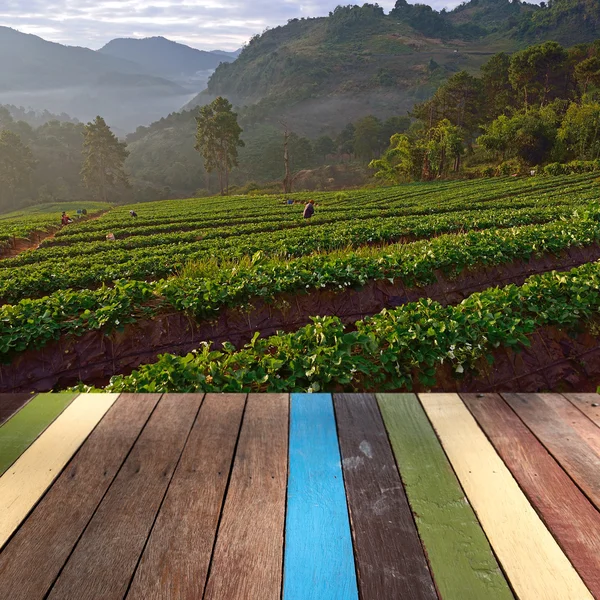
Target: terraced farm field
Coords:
[[471, 285]]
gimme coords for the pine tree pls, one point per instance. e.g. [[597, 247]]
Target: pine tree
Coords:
[[16, 167], [104, 157], [218, 139]]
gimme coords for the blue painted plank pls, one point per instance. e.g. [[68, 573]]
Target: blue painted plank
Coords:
[[319, 558]]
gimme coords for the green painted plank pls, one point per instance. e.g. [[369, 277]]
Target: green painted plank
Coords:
[[23, 428], [462, 562]]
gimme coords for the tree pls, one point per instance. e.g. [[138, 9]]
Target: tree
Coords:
[[580, 131], [587, 73], [367, 138], [16, 166], [392, 126], [460, 101], [104, 158], [324, 146], [218, 139], [527, 135], [498, 92], [539, 74], [345, 140], [444, 143], [396, 165]]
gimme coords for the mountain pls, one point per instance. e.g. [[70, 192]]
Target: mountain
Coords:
[[165, 58], [232, 55], [318, 74], [43, 75]]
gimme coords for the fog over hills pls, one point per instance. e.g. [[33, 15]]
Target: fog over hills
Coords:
[[129, 82]]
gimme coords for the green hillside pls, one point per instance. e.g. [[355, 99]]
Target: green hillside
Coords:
[[370, 62]]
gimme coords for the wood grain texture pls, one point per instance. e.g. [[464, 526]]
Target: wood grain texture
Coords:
[[567, 446], [587, 430], [103, 561], [18, 433], [319, 559], [389, 555], [176, 560], [462, 562], [11, 403], [248, 554], [588, 404], [568, 514], [534, 563], [29, 477], [34, 557]]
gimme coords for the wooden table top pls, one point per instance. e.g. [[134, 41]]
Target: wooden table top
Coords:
[[300, 497]]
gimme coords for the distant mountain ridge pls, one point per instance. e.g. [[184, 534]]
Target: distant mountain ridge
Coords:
[[165, 57], [124, 87]]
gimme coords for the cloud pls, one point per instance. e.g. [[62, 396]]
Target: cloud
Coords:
[[206, 24]]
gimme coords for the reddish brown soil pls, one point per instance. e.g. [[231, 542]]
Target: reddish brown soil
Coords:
[[95, 357]]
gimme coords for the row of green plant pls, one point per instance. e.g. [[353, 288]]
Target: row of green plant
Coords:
[[31, 276], [42, 218], [169, 216], [390, 351], [388, 227], [203, 290]]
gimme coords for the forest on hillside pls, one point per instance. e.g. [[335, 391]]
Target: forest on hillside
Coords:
[[537, 107]]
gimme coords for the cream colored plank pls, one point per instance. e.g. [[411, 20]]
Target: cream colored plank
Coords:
[[30, 476], [534, 563]]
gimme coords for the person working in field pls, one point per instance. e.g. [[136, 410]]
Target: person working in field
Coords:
[[133, 213], [65, 219], [309, 209]]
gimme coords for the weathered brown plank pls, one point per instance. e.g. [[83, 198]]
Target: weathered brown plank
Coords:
[[103, 562], [176, 560], [587, 430], [576, 457], [247, 561], [34, 557], [568, 514], [388, 551], [588, 404], [11, 403]]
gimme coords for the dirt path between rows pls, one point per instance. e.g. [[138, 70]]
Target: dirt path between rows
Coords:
[[95, 356], [36, 238]]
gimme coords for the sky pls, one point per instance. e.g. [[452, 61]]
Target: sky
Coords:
[[204, 24]]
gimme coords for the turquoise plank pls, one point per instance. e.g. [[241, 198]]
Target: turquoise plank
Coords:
[[319, 558]]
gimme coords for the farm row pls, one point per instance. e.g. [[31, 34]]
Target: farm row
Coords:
[[386, 352], [88, 265], [200, 257], [43, 219], [203, 290]]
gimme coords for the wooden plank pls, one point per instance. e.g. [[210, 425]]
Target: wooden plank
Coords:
[[567, 446], [247, 560], [31, 475], [586, 429], [588, 404], [103, 561], [17, 434], [11, 403], [389, 555], [568, 514], [182, 540], [319, 559], [534, 563], [462, 562], [32, 560]]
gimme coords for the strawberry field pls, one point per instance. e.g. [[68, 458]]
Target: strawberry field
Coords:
[[206, 258]]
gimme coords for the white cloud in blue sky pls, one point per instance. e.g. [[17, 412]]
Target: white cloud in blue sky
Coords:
[[206, 24]]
